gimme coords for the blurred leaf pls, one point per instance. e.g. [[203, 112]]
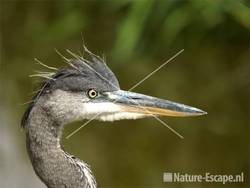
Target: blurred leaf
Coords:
[[174, 23], [131, 28], [239, 11]]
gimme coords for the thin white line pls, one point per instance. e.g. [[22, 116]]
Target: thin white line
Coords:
[[41, 63], [170, 128], [79, 128], [162, 122], [149, 75]]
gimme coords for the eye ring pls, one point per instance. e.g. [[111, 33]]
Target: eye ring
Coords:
[[92, 93]]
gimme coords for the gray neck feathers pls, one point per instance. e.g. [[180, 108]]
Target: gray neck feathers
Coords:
[[55, 167]]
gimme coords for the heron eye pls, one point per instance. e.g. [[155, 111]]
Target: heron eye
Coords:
[[92, 93]]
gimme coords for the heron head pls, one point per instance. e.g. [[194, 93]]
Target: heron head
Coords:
[[89, 89]]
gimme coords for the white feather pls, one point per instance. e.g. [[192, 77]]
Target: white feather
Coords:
[[120, 116]]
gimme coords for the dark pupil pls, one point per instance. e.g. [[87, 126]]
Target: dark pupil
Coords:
[[92, 93]]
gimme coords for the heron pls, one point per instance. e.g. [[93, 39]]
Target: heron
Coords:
[[83, 89]]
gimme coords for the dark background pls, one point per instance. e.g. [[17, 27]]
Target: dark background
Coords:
[[136, 37]]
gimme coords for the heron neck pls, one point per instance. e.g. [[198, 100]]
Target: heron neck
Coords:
[[43, 136], [55, 167], [43, 131]]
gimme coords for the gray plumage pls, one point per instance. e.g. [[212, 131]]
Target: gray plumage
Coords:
[[52, 164]]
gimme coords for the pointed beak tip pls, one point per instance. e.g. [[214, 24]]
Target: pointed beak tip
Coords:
[[201, 112]]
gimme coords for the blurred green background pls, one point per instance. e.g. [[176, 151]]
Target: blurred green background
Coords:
[[136, 37]]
